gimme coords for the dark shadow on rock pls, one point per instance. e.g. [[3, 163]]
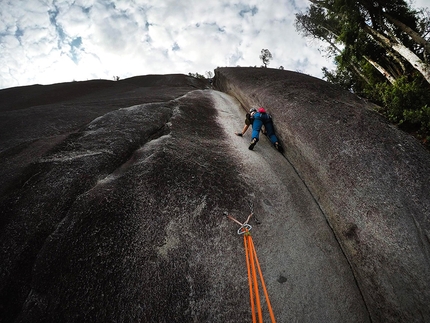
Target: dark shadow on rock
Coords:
[[117, 218]]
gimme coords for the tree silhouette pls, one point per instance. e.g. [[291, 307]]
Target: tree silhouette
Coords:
[[266, 56]]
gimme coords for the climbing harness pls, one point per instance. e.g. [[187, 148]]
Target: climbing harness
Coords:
[[253, 265]]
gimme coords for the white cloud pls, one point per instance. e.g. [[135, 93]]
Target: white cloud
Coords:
[[57, 41], [417, 4]]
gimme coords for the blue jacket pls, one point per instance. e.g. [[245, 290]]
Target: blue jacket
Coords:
[[260, 119]]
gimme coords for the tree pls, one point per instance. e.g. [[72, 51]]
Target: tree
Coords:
[[265, 56], [197, 75], [381, 50], [392, 25]]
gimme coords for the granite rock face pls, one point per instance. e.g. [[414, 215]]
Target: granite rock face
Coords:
[[371, 181], [112, 197]]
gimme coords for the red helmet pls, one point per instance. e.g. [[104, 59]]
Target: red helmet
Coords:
[[262, 110]]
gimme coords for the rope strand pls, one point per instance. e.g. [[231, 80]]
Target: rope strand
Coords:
[[266, 294], [252, 266], [248, 266]]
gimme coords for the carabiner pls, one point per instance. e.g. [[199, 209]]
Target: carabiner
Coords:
[[244, 228]]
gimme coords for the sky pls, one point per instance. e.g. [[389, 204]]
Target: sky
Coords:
[[53, 41]]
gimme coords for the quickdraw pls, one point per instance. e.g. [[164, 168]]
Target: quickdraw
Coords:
[[253, 265]]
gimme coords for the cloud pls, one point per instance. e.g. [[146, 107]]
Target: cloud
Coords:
[[57, 41]]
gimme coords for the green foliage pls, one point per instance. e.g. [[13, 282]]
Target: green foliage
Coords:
[[197, 75], [343, 78], [406, 103], [361, 35], [420, 116]]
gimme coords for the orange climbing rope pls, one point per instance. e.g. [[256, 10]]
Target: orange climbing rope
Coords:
[[253, 266]]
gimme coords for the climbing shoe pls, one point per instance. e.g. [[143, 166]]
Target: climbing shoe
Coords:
[[279, 147], [252, 145]]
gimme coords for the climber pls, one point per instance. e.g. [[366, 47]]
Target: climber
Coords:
[[258, 119]]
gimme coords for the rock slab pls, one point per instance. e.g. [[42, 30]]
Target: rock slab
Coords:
[[113, 193], [371, 181]]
